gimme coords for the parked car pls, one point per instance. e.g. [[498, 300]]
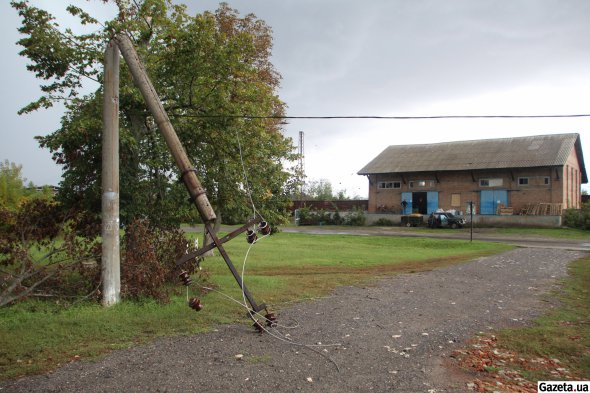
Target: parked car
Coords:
[[445, 220]]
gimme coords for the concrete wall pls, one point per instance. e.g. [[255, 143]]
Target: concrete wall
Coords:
[[484, 220]]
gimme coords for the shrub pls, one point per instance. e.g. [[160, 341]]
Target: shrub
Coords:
[[322, 217], [577, 218], [355, 217], [384, 222], [47, 253], [149, 260]]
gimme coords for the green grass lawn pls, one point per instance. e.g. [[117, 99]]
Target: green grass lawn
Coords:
[[556, 233], [36, 336]]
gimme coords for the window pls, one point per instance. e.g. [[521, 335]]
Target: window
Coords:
[[389, 184], [421, 183], [534, 181], [455, 200], [496, 182]]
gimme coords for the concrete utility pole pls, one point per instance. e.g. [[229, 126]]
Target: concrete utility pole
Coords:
[[111, 272], [155, 107]]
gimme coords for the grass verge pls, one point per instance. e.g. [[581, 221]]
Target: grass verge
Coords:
[[550, 233], [36, 336], [555, 347]]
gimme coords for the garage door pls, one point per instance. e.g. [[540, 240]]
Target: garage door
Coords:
[[490, 199]]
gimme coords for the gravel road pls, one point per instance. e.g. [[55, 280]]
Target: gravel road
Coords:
[[393, 336]]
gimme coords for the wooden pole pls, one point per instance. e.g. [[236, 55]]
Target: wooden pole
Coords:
[[143, 83], [111, 273]]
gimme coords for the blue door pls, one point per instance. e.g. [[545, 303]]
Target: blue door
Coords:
[[407, 197], [431, 201], [490, 199]]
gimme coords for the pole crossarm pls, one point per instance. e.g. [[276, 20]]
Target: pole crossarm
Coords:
[[195, 254]]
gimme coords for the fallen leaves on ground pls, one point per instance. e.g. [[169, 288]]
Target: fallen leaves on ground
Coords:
[[499, 369]]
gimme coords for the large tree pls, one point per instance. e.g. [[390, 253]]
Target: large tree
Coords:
[[215, 79]]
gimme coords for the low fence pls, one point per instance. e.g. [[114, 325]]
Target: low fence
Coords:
[[482, 220]]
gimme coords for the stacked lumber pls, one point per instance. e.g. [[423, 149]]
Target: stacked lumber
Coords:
[[542, 209]]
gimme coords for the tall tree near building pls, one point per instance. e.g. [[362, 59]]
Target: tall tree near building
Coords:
[[209, 69]]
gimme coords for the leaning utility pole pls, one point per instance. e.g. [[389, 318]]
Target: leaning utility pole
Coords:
[[188, 175], [110, 260], [191, 181]]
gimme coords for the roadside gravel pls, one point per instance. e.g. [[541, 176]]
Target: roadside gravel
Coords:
[[393, 336]]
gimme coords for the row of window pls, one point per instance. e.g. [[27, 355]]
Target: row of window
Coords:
[[522, 181], [493, 182]]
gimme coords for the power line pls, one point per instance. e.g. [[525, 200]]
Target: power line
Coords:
[[388, 117]]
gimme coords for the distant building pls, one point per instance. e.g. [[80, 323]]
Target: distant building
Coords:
[[527, 175]]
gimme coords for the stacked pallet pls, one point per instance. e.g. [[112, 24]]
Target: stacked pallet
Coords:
[[542, 209]]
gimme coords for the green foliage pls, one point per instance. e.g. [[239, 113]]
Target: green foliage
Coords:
[[320, 190], [208, 69], [58, 57], [44, 252], [41, 253], [577, 218], [308, 216], [384, 222], [355, 217], [12, 188]]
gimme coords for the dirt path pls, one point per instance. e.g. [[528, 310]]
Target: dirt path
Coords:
[[392, 336]]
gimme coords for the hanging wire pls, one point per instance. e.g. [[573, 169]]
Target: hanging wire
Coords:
[[244, 173], [244, 264], [360, 117], [311, 347]]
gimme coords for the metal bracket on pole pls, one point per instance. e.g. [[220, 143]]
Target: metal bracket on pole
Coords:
[[218, 243], [256, 307]]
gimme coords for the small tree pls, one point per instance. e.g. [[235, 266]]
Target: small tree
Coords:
[[577, 218], [320, 190], [12, 184]]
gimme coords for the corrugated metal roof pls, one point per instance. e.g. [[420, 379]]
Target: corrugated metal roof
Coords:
[[521, 152]]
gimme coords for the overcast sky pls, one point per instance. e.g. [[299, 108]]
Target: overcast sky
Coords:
[[375, 57]]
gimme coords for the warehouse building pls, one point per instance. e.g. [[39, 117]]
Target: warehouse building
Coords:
[[510, 176]]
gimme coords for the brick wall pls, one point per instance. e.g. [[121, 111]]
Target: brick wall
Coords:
[[455, 189]]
